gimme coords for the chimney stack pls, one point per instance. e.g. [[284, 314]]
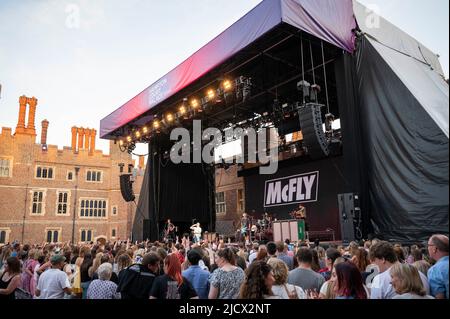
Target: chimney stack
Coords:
[[32, 102], [87, 137], [44, 132], [92, 143], [80, 131], [74, 139], [20, 128]]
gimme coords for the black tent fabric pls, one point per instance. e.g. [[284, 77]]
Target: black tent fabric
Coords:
[[406, 154], [183, 193], [141, 216]]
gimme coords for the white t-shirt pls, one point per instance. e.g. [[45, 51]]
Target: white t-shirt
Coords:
[[279, 290], [52, 283], [382, 288]]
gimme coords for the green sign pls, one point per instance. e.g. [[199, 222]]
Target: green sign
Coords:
[[301, 229]]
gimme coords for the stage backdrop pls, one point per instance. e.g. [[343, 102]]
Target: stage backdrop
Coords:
[[314, 185]]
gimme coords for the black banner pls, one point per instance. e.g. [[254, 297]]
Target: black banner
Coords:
[[314, 185]]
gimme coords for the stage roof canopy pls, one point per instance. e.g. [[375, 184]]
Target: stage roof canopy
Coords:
[[333, 21], [329, 20]]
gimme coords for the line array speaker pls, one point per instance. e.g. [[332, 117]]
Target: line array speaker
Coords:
[[126, 187], [314, 138]]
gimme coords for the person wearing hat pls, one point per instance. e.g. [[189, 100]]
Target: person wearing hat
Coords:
[[54, 283]]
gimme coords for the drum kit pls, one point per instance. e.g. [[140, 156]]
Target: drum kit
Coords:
[[260, 230]]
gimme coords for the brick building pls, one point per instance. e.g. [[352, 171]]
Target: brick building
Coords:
[[230, 200], [46, 191]]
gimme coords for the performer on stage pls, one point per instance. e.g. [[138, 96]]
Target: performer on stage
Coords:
[[197, 232], [169, 230], [302, 215], [245, 226]]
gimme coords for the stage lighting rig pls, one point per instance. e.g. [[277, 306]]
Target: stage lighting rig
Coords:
[[243, 88], [315, 90]]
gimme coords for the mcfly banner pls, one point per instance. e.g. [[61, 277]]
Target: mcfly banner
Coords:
[[291, 190], [314, 185]]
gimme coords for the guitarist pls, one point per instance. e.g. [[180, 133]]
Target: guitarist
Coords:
[[245, 226], [169, 230]]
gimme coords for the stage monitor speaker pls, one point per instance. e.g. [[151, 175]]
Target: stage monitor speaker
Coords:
[[146, 229], [349, 214], [126, 187], [288, 229], [314, 138]]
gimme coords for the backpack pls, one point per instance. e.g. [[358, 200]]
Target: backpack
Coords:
[[130, 283]]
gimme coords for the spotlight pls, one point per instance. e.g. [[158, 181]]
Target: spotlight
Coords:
[[145, 130], [169, 117], [121, 142], [194, 103], [156, 124], [227, 85], [138, 134], [129, 139], [211, 94], [182, 110]]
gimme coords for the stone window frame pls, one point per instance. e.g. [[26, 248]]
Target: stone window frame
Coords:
[[238, 208], [11, 165], [224, 203], [47, 167], [86, 230], [95, 199], [58, 191], [7, 231], [73, 176], [96, 171], [44, 197], [58, 229], [112, 210], [116, 232]]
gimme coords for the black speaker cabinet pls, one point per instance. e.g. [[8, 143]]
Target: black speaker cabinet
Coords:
[[126, 187], [348, 215], [314, 138]]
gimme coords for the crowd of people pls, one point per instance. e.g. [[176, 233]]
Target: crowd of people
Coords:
[[371, 269]]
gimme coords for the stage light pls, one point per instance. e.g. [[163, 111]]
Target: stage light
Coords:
[[137, 134], [227, 85], [211, 94], [194, 103], [169, 117], [145, 130], [129, 139], [121, 142], [182, 110], [156, 124]]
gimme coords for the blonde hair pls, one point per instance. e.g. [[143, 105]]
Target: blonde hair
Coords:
[[280, 270], [97, 262], [409, 279], [422, 266]]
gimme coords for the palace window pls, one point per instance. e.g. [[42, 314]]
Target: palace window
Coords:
[[114, 210], [70, 176], [94, 176], [5, 167], [43, 172], [86, 235], [220, 203], [53, 235], [4, 235], [93, 208], [240, 200], [37, 207], [113, 233], [63, 203]]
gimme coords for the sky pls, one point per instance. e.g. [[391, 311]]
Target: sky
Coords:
[[83, 59]]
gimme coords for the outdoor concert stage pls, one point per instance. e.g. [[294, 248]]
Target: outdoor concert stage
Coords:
[[391, 150]]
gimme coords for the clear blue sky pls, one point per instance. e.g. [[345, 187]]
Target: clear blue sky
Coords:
[[83, 69]]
